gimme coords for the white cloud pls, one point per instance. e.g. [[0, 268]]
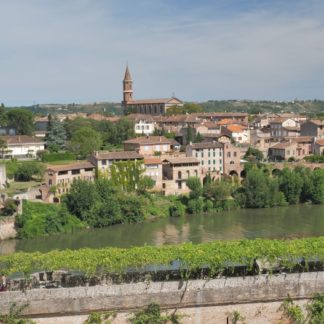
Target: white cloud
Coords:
[[76, 51]]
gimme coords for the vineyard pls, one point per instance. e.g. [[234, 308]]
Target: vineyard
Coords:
[[216, 256]]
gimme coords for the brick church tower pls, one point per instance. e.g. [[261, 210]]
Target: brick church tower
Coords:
[[127, 88]]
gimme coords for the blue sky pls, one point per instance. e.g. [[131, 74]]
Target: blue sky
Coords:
[[76, 50]]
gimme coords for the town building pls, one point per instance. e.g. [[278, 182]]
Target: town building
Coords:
[[59, 178], [176, 171], [143, 124], [318, 146], [284, 127], [21, 146], [103, 160], [153, 169], [151, 145], [144, 106], [283, 151], [238, 133], [232, 160], [312, 127], [209, 154]]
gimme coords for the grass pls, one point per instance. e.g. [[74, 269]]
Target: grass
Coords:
[[18, 187]]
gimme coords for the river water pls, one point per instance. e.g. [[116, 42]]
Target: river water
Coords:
[[283, 222]]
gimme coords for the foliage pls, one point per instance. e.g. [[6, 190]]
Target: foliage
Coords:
[[291, 184], [292, 312], [315, 309], [102, 204], [101, 318], [145, 183], [42, 219], [9, 207], [126, 175], [152, 315], [22, 120], [177, 209], [27, 170], [194, 184], [58, 156], [14, 316], [187, 108], [235, 317], [315, 158], [56, 135], [253, 154], [84, 141], [216, 254], [195, 206]]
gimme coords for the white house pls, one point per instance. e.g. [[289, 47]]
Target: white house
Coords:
[[21, 146]]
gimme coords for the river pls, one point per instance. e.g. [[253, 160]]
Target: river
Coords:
[[283, 222]]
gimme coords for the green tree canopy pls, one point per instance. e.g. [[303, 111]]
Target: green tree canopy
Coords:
[[22, 120], [84, 141], [56, 135]]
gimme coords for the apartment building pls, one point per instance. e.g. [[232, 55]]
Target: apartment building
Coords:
[[59, 178], [209, 154]]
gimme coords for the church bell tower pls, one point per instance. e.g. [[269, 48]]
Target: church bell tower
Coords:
[[127, 87]]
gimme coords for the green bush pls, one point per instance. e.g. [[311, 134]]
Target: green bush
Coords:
[[40, 219], [27, 170], [195, 206], [177, 209], [53, 157]]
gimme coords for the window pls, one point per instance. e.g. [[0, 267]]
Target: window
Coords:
[[196, 173], [228, 154], [235, 154], [179, 185], [104, 162], [208, 161], [75, 171], [179, 174], [214, 161]]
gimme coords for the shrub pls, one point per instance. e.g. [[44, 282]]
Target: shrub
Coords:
[[195, 206], [177, 209], [27, 170], [53, 157]]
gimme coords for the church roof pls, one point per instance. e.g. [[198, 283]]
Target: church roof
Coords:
[[155, 101]]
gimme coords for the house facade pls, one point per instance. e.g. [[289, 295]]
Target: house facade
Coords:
[[209, 154], [312, 127], [21, 146], [150, 145], [176, 171], [59, 178]]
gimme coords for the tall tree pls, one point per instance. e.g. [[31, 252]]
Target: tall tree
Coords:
[[84, 141], [291, 184], [22, 120], [56, 135]]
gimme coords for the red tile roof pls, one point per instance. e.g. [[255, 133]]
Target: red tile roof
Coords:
[[148, 140]]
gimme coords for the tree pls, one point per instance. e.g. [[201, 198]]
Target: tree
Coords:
[[22, 120], [56, 135], [27, 170], [194, 184], [84, 141], [145, 183], [256, 189], [253, 154], [291, 184], [199, 138], [318, 186], [187, 108]]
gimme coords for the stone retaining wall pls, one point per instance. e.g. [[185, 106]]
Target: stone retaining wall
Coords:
[[7, 228], [193, 293]]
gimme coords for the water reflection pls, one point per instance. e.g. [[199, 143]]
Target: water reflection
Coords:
[[286, 222]]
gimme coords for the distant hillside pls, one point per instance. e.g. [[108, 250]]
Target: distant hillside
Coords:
[[309, 107], [255, 107], [102, 107]]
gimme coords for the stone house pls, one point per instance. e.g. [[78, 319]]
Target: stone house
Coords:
[[284, 127], [143, 124], [238, 133], [283, 151], [153, 169], [232, 159], [318, 146], [102, 160], [209, 154], [312, 127], [59, 178], [150, 145], [176, 171]]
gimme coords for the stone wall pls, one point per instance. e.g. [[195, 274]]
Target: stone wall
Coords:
[[7, 228], [170, 295]]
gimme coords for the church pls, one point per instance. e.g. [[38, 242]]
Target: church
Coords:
[[144, 106]]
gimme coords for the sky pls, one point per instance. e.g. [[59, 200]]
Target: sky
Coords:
[[64, 51]]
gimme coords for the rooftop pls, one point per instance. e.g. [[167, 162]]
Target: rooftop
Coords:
[[149, 140], [118, 155], [206, 145], [71, 166], [154, 101], [181, 160], [21, 139]]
